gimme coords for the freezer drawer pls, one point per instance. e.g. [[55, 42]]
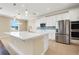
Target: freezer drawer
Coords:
[[62, 38]]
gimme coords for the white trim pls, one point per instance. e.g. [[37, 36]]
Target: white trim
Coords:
[[44, 51]]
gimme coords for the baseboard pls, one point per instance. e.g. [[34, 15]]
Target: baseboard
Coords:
[[44, 51]]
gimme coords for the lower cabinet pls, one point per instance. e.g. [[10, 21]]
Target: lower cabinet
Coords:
[[38, 46], [32, 46]]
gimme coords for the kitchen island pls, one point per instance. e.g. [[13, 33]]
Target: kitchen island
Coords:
[[25, 43]]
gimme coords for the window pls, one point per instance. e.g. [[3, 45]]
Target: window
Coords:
[[14, 24]]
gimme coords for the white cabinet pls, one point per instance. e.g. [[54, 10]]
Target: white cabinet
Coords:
[[63, 16], [38, 46], [66, 16], [50, 21], [74, 14], [31, 46]]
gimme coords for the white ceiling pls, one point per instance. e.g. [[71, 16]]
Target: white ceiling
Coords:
[[34, 9]]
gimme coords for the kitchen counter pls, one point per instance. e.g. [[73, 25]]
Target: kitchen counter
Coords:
[[23, 35], [25, 43]]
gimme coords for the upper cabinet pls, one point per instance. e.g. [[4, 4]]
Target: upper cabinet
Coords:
[[63, 16], [51, 20], [74, 14]]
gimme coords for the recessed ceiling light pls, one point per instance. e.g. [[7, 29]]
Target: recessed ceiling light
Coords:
[[1, 8], [19, 14], [34, 13], [14, 4], [25, 9]]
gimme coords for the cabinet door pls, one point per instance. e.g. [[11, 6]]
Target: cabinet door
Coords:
[[7, 41], [38, 45], [23, 46]]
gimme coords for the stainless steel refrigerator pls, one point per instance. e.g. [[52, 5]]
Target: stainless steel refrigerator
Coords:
[[63, 32]]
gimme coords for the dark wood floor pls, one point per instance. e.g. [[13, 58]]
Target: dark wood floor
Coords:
[[3, 51]]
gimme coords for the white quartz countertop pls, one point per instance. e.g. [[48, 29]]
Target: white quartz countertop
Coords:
[[23, 35]]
